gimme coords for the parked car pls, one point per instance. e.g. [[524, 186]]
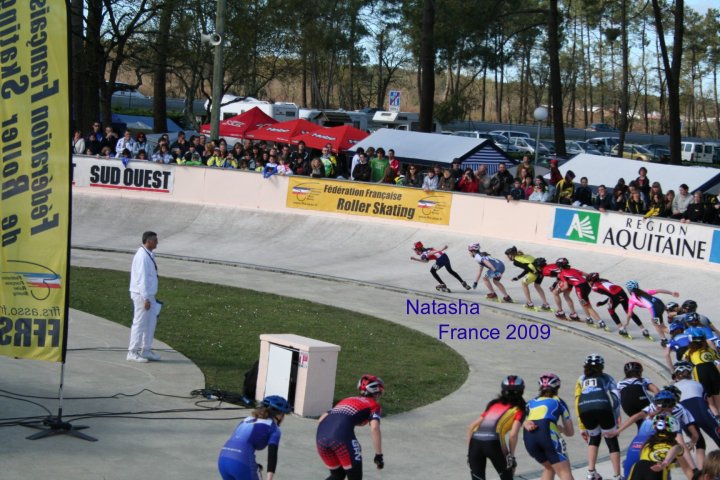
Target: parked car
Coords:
[[601, 127], [634, 152], [588, 148], [501, 141], [573, 148], [701, 152], [527, 145], [604, 144], [661, 153], [123, 90], [550, 145], [510, 133]]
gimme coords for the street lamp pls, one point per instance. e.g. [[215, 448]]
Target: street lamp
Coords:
[[540, 114]]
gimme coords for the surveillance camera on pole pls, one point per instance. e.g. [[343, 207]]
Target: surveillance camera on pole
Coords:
[[213, 39]]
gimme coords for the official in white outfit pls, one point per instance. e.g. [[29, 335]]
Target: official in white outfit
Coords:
[[143, 288]]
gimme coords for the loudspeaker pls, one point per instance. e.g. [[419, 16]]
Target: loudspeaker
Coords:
[[213, 39]]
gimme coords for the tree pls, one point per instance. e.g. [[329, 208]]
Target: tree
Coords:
[[427, 66], [672, 71]]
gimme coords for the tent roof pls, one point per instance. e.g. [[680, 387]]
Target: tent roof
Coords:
[[430, 148], [342, 138], [606, 171], [282, 132], [239, 124], [139, 122]]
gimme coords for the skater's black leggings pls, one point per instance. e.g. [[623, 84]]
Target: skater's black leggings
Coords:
[[438, 265], [480, 452], [621, 299]]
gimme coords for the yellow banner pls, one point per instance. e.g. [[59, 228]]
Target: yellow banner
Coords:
[[35, 178], [380, 201]]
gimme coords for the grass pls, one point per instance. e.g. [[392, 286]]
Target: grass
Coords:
[[218, 328]]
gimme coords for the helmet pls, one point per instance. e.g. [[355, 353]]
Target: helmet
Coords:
[[474, 247], [513, 383], [665, 398], [692, 317], [682, 367], [594, 359], [665, 424], [511, 251], [696, 334], [689, 305], [633, 367], [371, 386], [675, 391], [676, 326], [632, 285], [562, 262], [592, 277], [278, 403], [539, 262], [672, 306], [549, 380], [418, 246]]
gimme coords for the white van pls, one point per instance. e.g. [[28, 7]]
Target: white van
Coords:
[[335, 118], [232, 106], [409, 121], [701, 152]]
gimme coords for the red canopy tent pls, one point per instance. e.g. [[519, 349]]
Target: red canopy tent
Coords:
[[341, 138], [237, 126], [283, 132]]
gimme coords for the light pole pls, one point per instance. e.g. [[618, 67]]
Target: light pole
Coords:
[[540, 114], [217, 70]]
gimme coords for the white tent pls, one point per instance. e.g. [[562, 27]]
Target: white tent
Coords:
[[433, 148], [606, 171]]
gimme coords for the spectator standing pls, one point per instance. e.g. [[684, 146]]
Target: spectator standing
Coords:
[[143, 289], [643, 182], [527, 166], [355, 160], [468, 183], [141, 143], [446, 182], [378, 165], [162, 155], [270, 168], [555, 175], [540, 194], [669, 198], [317, 169], [78, 143], [110, 140], [583, 193], [483, 179], [681, 201], [329, 162], [565, 189], [180, 143], [431, 181], [500, 182], [283, 167], [300, 160], [361, 172], [656, 206], [602, 200], [636, 204], [516, 192], [388, 176], [125, 142], [697, 211], [413, 177], [528, 186], [619, 201], [97, 132], [394, 162], [455, 172]]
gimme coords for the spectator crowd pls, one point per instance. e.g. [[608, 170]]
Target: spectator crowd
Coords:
[[639, 196]]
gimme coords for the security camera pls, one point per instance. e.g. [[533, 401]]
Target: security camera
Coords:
[[213, 39]]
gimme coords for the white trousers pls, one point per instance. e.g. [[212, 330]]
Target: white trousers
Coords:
[[143, 326]]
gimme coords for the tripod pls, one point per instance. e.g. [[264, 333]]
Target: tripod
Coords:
[[56, 425]]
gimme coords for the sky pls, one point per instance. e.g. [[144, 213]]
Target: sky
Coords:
[[701, 6]]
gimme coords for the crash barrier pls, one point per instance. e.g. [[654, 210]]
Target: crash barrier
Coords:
[[663, 240]]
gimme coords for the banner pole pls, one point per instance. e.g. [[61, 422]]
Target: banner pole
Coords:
[[56, 425]]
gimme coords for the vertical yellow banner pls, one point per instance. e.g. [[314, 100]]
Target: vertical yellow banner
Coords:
[[34, 178]]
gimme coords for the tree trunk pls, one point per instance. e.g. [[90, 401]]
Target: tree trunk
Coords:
[[555, 79], [162, 50], [672, 74], [95, 73], [625, 89], [427, 59]]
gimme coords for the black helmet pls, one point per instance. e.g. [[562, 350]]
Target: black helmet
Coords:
[[513, 383], [675, 391], [689, 305], [511, 251], [562, 262], [594, 359], [593, 277], [672, 307], [692, 317], [633, 367], [539, 262]]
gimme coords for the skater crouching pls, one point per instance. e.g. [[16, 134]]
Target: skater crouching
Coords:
[[441, 260], [495, 270]]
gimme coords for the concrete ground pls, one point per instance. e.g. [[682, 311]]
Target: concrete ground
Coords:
[[352, 264]]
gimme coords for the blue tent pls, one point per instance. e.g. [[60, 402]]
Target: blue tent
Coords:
[[139, 122]]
